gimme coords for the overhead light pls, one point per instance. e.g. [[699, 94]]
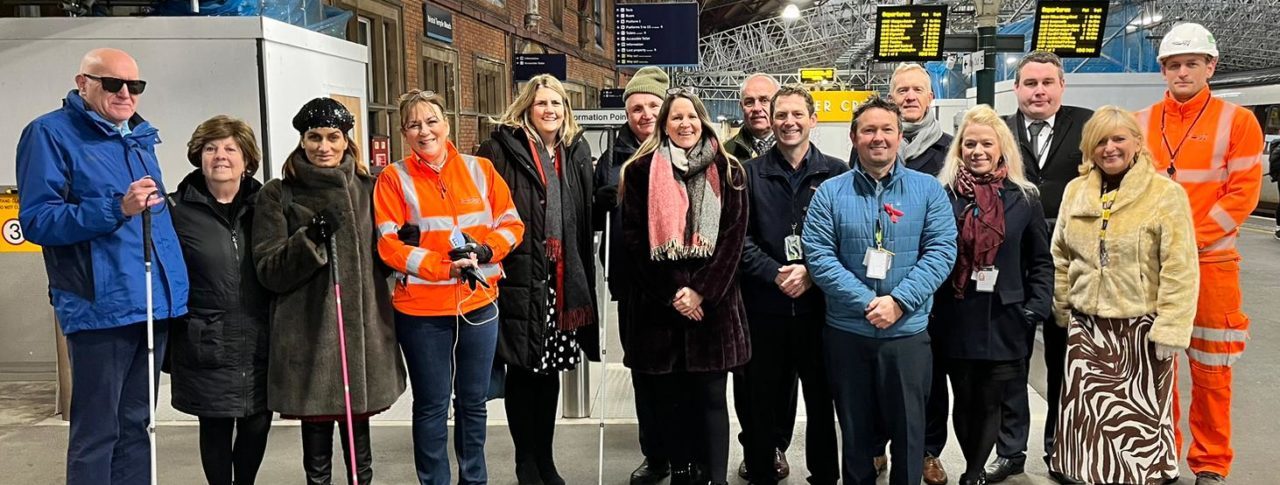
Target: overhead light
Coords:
[[1146, 19], [791, 12], [1011, 60]]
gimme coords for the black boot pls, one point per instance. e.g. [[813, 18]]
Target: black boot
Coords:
[[979, 478], [526, 470], [317, 452], [364, 452], [650, 471], [684, 474], [547, 469]]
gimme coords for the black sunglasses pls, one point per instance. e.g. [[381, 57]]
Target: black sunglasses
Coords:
[[113, 85]]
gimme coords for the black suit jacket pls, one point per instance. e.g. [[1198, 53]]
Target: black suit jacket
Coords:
[[1063, 161]]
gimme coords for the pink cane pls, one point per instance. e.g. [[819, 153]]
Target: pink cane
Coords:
[[342, 348]]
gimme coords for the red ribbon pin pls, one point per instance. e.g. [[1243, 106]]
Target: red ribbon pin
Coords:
[[894, 214]]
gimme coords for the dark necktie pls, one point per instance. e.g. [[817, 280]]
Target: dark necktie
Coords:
[[1037, 127]]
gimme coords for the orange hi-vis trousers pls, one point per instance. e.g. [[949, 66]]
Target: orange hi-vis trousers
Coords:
[[1218, 339]]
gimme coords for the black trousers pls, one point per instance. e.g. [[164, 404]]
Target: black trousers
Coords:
[[784, 424], [694, 417], [227, 460], [880, 384], [1015, 410], [530, 402], [785, 349], [935, 411], [979, 386], [647, 401]]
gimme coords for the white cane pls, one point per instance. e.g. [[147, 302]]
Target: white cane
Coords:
[[151, 342], [604, 345]]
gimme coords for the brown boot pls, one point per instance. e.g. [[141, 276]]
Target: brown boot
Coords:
[[933, 472]]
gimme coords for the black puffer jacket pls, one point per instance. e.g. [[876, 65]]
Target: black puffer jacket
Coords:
[[608, 173], [218, 351], [522, 301]]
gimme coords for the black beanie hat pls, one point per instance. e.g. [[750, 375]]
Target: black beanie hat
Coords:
[[323, 113]]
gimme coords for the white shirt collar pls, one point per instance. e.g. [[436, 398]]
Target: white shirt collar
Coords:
[[1027, 120]]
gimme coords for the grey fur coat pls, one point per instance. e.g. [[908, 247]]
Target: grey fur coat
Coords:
[[305, 372]]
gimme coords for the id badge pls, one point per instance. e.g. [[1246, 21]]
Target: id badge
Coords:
[[793, 248], [456, 238], [878, 262], [986, 278]]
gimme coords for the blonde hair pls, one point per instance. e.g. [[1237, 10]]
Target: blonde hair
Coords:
[[659, 137], [416, 97], [1010, 153], [517, 115], [1099, 127], [908, 67]]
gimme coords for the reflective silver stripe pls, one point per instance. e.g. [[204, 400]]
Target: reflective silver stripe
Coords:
[[1211, 358], [388, 228], [477, 178], [473, 219], [510, 215], [1222, 138], [428, 224], [488, 271], [414, 280], [1243, 163], [1199, 175], [1220, 334], [414, 264], [506, 234], [1226, 242], [410, 192], [1223, 218]]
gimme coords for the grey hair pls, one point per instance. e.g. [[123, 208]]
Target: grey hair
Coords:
[[743, 87], [908, 67]]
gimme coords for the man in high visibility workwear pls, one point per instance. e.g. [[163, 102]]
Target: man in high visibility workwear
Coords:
[[1214, 150]]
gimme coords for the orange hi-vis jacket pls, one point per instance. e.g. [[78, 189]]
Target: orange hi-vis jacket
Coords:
[[1219, 163], [466, 195]]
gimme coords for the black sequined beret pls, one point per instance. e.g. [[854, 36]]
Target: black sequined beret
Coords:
[[323, 113]]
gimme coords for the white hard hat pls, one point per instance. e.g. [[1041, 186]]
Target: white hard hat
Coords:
[[1187, 38]]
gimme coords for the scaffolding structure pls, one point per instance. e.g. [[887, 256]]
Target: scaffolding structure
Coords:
[[841, 34]]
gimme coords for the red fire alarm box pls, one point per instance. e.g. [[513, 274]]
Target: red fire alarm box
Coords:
[[380, 151]]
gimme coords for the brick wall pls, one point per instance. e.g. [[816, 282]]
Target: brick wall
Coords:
[[483, 29]]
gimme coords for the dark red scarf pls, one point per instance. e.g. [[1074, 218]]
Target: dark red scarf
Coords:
[[982, 231]]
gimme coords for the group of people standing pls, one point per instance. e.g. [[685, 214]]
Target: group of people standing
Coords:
[[926, 257]]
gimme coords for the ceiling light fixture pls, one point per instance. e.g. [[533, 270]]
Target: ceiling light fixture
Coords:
[[791, 12]]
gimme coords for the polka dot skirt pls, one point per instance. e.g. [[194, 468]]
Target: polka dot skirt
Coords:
[[560, 349]]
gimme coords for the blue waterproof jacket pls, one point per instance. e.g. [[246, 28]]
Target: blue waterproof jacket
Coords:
[[841, 225], [73, 169]]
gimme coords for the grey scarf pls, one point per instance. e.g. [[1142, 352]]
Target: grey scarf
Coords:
[[573, 300], [918, 137]]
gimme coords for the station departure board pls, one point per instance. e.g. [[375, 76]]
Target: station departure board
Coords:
[[1070, 28], [910, 32]]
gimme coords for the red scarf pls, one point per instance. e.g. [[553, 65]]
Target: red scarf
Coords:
[[982, 231]]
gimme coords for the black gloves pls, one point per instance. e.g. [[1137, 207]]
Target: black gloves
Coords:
[[323, 226], [410, 235], [1030, 317], [607, 197], [484, 253]]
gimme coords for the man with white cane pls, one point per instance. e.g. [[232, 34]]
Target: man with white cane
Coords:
[[85, 171]]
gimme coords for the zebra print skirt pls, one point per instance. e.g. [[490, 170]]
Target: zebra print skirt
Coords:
[[1115, 424]]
